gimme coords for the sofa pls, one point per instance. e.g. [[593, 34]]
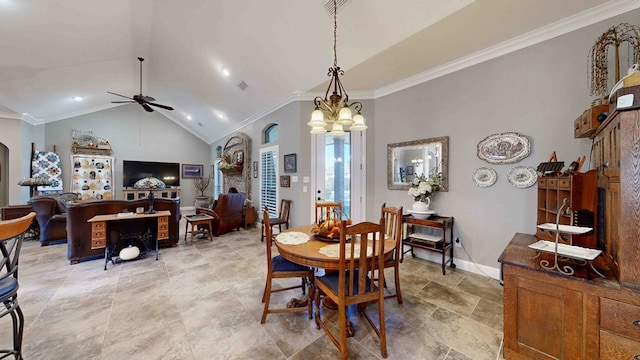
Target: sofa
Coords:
[[227, 213], [51, 215], [79, 230]]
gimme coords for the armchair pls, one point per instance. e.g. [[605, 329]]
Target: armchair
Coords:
[[227, 214], [52, 218]]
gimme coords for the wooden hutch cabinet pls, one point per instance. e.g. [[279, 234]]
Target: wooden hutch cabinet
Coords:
[[548, 315]]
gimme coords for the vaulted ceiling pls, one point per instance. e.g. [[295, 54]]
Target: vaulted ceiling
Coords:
[[55, 50]]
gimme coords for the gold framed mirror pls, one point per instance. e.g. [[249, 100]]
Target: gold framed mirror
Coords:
[[406, 160]]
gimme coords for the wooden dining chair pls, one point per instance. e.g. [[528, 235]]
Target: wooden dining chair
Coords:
[[327, 210], [353, 284], [11, 237], [280, 268], [282, 219], [392, 218]]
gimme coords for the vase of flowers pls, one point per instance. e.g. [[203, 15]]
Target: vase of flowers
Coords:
[[422, 188]]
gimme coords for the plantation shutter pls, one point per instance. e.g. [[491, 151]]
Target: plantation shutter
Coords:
[[269, 180]]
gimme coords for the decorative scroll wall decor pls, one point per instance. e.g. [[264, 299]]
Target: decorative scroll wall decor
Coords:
[[599, 55]]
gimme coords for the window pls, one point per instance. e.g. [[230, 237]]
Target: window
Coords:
[[270, 133], [269, 180], [217, 180]]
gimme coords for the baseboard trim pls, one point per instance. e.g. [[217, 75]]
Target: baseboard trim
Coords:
[[460, 264]]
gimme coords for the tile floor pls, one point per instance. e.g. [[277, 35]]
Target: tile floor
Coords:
[[202, 301]]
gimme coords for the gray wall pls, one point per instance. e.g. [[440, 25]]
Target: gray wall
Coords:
[[134, 134], [537, 91]]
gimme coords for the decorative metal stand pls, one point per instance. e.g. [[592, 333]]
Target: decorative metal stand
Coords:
[[579, 255]]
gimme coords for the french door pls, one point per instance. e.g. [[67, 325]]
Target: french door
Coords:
[[339, 168]]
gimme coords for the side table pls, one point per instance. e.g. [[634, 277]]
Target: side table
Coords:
[[201, 220], [250, 216], [437, 243]]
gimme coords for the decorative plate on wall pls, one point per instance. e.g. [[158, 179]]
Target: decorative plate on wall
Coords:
[[522, 176], [484, 177], [504, 148]]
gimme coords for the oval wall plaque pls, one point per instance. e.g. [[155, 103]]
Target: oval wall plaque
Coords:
[[504, 148]]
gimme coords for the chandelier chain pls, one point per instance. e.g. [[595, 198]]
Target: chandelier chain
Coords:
[[335, 33]]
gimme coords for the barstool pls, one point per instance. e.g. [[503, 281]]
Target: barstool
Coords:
[[11, 237]]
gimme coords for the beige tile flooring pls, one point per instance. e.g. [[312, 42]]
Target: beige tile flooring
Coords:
[[202, 301]]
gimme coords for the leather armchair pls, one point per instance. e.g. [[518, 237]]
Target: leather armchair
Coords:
[[227, 214], [52, 218]]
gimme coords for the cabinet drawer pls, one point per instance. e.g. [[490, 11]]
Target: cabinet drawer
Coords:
[[620, 318], [162, 235], [98, 234], [542, 182], [163, 227], [564, 183], [163, 220], [100, 225], [552, 183], [98, 243], [613, 347]]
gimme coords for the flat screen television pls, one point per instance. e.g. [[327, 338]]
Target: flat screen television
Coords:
[[133, 171]]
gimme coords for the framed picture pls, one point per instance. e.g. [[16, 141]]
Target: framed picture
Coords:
[[285, 180], [290, 165], [409, 170], [255, 169], [191, 171]]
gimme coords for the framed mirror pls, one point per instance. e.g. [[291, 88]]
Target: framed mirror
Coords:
[[409, 159]]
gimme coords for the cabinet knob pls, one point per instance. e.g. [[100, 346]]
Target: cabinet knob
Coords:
[[606, 164], [636, 357], [636, 323]]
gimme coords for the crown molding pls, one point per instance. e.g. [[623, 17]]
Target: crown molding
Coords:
[[31, 120], [588, 17], [9, 115]]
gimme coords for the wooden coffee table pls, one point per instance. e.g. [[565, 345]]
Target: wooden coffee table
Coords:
[[201, 220]]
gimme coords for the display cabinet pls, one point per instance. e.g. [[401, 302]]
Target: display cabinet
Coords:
[[581, 191]]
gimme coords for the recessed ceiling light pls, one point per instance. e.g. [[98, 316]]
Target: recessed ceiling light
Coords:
[[77, 98], [189, 117], [226, 72], [220, 115]]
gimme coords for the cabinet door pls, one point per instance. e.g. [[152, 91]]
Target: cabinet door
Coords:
[[541, 320]]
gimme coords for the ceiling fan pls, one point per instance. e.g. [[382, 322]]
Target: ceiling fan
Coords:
[[144, 101]]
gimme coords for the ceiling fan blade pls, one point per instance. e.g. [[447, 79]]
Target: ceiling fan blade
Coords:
[[123, 102], [148, 98], [147, 107], [112, 93], [161, 106]]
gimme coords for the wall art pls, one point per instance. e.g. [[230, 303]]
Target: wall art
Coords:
[[504, 148]]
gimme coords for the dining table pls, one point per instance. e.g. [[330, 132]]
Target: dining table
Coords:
[[317, 252]]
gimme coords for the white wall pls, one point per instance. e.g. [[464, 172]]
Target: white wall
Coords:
[[134, 134], [17, 136]]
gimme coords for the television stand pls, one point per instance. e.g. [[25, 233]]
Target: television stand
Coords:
[[135, 194]]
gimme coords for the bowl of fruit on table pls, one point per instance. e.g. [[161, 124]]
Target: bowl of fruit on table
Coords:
[[329, 229]]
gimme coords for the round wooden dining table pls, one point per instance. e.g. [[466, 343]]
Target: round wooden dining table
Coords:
[[308, 253]]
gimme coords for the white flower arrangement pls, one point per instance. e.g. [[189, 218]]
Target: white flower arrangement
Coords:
[[422, 188]]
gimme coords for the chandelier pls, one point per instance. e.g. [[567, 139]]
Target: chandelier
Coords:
[[334, 111]]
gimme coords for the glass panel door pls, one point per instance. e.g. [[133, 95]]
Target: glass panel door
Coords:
[[339, 167]]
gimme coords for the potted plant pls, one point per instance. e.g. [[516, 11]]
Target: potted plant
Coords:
[[201, 184]]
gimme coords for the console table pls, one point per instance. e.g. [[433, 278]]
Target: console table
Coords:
[[100, 230], [437, 243]]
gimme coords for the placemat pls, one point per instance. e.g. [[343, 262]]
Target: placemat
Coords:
[[292, 238], [333, 250]]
